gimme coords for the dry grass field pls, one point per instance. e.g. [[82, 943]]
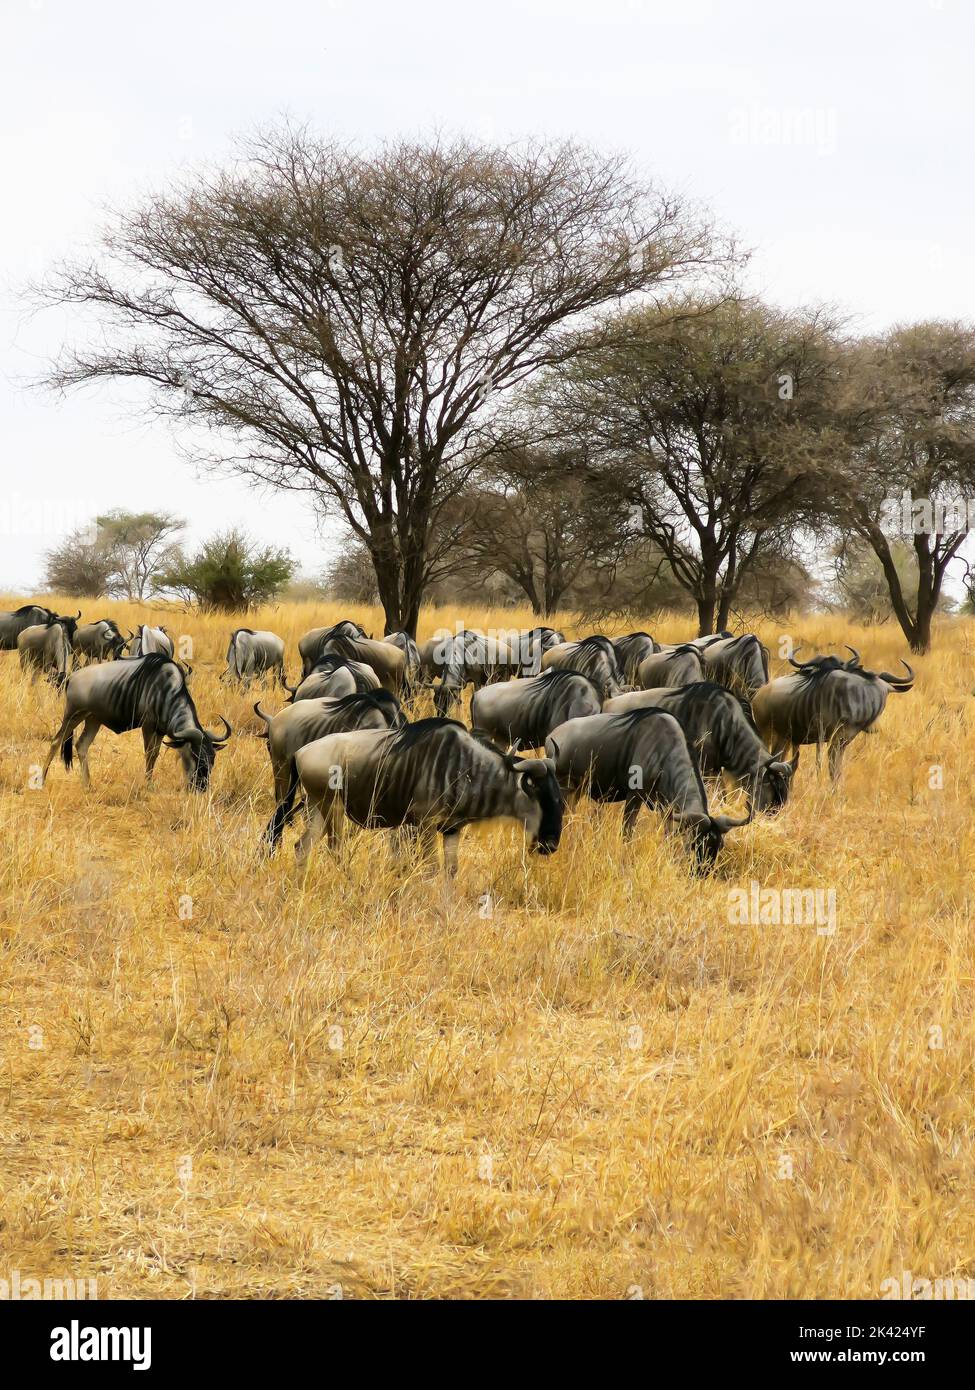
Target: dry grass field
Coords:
[[578, 1078]]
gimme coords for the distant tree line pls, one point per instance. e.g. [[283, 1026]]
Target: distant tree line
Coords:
[[527, 368]]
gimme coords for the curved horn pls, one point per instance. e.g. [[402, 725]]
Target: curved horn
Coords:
[[292, 688], [855, 661], [899, 680], [791, 659], [260, 713], [726, 823], [777, 765], [220, 738]]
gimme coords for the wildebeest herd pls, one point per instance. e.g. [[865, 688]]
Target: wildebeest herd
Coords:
[[622, 719]]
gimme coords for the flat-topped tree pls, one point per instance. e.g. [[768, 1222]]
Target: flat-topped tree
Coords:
[[345, 323]]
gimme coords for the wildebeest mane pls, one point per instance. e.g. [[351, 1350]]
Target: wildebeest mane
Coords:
[[701, 692], [382, 700]]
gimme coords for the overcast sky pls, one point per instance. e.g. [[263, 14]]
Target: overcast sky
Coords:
[[835, 138]]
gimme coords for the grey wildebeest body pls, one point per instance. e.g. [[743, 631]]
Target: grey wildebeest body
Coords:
[[147, 693], [334, 676], [254, 653], [740, 663], [470, 658], [594, 657], [825, 700], [386, 660], [532, 644], [310, 645], [720, 728], [46, 650], [671, 667], [432, 777], [411, 653], [297, 725], [151, 641], [99, 641], [631, 650], [12, 623], [522, 713], [642, 758]]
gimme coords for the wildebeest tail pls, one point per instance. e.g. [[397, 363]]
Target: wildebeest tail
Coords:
[[67, 752], [283, 812]]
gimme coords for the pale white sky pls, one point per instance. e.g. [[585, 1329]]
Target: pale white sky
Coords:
[[836, 138]]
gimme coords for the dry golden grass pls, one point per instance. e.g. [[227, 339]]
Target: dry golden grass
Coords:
[[594, 1090]]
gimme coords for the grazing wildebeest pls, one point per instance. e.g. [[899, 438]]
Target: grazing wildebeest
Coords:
[[825, 700], [13, 623], [151, 641], [740, 663], [630, 651], [472, 658], [46, 649], [594, 657], [334, 676], [388, 661], [253, 653], [641, 758], [147, 693], [721, 730], [522, 713], [100, 641], [297, 725], [532, 644], [310, 645], [411, 653], [431, 777], [671, 667]]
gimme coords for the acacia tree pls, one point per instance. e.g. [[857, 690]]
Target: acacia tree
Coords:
[[712, 423], [907, 476], [538, 519], [345, 324]]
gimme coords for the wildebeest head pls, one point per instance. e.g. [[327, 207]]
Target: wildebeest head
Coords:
[[773, 784], [69, 625], [539, 802], [198, 752], [818, 667], [707, 835]]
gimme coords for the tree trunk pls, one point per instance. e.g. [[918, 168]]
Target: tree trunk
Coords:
[[724, 613], [705, 613]]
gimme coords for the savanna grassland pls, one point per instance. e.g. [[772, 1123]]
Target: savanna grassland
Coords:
[[577, 1078]]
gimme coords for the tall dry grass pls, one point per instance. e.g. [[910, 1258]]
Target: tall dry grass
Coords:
[[579, 1078]]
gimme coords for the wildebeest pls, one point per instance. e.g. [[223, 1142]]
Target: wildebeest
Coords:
[[740, 663], [432, 777], [13, 623], [310, 645], [100, 640], [721, 730], [46, 649], [642, 758], [151, 641], [630, 651], [470, 658], [388, 661], [594, 657], [147, 693], [671, 667], [411, 653], [333, 676], [297, 725], [253, 653], [825, 700], [522, 713], [532, 644]]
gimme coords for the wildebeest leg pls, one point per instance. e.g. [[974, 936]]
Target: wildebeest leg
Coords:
[[286, 783], [92, 725], [451, 842], [314, 830], [63, 735], [631, 809], [837, 745], [152, 743]]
